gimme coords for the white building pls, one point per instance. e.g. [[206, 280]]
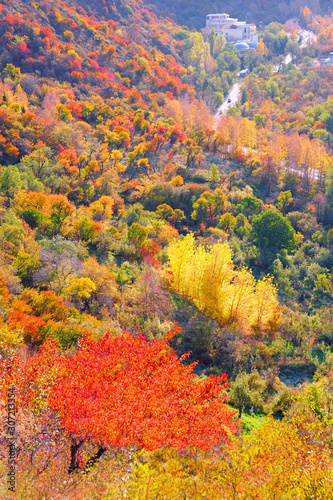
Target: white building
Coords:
[[232, 29]]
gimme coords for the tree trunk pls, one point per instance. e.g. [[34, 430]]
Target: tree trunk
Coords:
[[90, 463], [94, 459], [74, 449]]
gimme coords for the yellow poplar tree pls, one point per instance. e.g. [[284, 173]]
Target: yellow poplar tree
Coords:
[[208, 277]]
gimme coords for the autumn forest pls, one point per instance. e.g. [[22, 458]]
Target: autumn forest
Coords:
[[166, 251]]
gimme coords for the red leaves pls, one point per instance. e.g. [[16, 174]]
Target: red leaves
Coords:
[[31, 325], [22, 48], [150, 249], [13, 21], [126, 391], [177, 135], [319, 125], [33, 376], [46, 32], [162, 130]]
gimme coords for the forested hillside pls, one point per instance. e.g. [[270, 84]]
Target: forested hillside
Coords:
[[165, 274], [193, 13]]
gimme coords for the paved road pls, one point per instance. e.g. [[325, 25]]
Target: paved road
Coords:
[[286, 61], [312, 173], [308, 37], [233, 96]]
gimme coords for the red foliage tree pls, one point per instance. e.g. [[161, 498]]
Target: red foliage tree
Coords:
[[124, 391]]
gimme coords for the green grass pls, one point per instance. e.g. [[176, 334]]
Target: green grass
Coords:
[[251, 421]]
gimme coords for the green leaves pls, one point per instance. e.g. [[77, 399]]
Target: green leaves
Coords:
[[272, 231]]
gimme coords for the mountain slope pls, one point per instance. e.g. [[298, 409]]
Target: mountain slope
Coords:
[[192, 13]]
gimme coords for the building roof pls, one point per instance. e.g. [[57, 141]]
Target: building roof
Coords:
[[218, 14], [241, 46]]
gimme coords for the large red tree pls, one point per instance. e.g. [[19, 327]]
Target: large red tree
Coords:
[[126, 391]]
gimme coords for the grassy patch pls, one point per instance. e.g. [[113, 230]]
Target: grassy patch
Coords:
[[251, 421]]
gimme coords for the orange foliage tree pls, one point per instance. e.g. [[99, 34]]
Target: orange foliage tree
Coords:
[[123, 391]]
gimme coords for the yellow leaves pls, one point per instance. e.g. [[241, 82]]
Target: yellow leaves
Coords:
[[238, 132], [267, 309], [116, 155], [281, 460], [208, 277], [26, 263], [101, 277], [102, 208], [10, 338], [144, 162], [159, 57], [248, 133], [277, 147], [23, 200], [80, 287], [261, 47], [308, 154], [177, 181], [89, 169], [190, 116]]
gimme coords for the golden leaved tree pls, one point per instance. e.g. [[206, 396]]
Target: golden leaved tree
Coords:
[[208, 277]]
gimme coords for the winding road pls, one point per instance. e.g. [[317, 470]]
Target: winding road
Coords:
[[308, 37], [229, 101]]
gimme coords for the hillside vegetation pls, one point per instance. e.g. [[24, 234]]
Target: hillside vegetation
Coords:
[[158, 264], [193, 14]]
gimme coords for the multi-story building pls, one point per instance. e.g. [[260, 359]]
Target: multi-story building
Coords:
[[232, 29]]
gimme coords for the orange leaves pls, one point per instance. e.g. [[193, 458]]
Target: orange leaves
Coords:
[[123, 391], [171, 335], [151, 248], [11, 150], [191, 116], [126, 391], [56, 206], [38, 315], [60, 205], [134, 96], [44, 304], [261, 47], [30, 325], [32, 375], [319, 125], [23, 200], [306, 12], [68, 158], [4, 293]]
